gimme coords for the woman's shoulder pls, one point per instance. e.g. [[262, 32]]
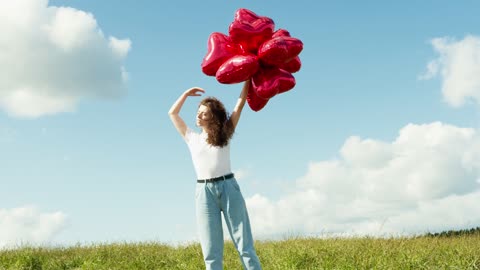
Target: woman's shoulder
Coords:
[[190, 133]]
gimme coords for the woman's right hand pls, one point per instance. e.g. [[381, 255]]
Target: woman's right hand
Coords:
[[194, 92]]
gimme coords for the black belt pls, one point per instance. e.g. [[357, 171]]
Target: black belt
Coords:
[[215, 179]]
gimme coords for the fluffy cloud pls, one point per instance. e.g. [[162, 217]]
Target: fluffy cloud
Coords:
[[458, 64], [426, 180], [53, 57], [26, 225]]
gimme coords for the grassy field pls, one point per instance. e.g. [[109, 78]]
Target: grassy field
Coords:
[[426, 252]]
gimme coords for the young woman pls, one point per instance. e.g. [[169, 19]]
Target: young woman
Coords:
[[217, 190]]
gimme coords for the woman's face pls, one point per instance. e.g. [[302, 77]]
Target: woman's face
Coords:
[[203, 116]]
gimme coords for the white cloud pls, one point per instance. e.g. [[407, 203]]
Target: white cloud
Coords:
[[71, 29], [425, 180], [27, 225], [458, 64], [53, 57], [120, 46]]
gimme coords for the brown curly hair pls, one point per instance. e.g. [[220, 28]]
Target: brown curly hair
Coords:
[[220, 127]]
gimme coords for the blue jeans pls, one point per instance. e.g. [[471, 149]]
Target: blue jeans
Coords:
[[211, 200]]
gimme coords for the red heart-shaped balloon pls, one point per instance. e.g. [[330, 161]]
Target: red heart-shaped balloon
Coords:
[[292, 66], [237, 69], [220, 48], [253, 51], [281, 33], [250, 30], [279, 50], [268, 82], [255, 102]]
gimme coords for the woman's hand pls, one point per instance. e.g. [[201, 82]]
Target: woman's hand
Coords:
[[194, 92]]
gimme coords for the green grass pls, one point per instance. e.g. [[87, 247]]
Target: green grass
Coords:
[[425, 252]]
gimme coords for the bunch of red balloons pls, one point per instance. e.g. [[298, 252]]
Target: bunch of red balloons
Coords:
[[253, 50]]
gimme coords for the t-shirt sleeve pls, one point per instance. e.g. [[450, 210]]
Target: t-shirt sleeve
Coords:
[[188, 135]]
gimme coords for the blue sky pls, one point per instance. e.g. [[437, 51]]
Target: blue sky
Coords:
[[380, 136]]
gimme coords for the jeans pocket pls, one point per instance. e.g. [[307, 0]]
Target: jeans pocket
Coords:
[[235, 185]]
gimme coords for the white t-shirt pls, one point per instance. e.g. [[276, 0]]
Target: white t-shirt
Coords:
[[209, 161]]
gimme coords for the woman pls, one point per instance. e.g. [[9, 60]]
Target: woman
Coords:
[[217, 190]]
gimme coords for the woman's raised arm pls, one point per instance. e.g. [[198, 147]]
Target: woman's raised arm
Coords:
[[237, 111], [174, 111]]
